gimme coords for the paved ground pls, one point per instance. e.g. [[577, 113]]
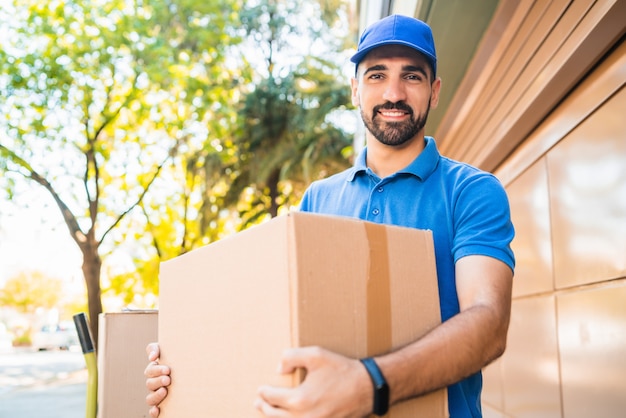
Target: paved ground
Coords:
[[42, 385], [61, 399]]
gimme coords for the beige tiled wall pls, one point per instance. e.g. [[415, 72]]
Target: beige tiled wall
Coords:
[[566, 352], [587, 176], [592, 341], [546, 111], [530, 210], [531, 368]]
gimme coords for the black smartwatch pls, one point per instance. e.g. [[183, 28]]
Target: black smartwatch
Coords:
[[381, 389]]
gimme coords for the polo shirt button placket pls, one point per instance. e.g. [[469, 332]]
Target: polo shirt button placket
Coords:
[[379, 189]]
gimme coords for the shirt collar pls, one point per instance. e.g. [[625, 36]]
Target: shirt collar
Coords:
[[422, 167]]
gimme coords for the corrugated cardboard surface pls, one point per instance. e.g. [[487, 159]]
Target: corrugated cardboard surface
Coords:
[[228, 310], [122, 360]]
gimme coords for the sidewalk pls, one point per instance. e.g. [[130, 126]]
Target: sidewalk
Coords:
[[64, 398]]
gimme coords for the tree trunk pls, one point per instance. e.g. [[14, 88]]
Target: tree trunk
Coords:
[[91, 271]]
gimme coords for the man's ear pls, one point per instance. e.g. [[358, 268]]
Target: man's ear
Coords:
[[354, 85], [434, 93]]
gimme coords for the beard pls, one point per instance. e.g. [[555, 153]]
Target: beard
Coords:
[[395, 133]]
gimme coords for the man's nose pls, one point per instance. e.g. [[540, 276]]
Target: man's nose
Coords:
[[395, 92]]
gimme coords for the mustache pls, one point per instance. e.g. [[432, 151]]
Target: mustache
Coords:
[[402, 106]]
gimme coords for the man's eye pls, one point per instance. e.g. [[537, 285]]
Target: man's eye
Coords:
[[414, 77], [376, 76]]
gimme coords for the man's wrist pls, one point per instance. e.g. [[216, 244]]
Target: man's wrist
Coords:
[[381, 388]]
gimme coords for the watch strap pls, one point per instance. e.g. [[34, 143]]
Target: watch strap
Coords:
[[381, 389]]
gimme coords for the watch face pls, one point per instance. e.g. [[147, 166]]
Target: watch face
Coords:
[[381, 400], [381, 389]]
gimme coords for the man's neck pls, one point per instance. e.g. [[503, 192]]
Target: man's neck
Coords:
[[385, 160]]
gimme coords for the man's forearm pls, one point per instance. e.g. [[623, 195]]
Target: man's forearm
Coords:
[[449, 353]]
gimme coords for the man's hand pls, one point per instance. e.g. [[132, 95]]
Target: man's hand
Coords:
[[334, 386], [158, 378]]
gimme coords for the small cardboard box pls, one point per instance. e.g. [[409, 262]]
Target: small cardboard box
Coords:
[[122, 360], [228, 310]]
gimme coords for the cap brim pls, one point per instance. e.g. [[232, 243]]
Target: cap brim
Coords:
[[360, 55]]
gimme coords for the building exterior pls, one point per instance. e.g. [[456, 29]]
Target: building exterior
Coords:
[[533, 90]]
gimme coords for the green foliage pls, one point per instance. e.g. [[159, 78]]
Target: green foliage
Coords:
[[101, 102], [23, 340], [284, 138], [158, 126], [31, 290]]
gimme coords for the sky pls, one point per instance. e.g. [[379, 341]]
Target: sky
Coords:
[[34, 237]]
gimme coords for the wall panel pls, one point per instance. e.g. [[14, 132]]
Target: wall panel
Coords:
[[531, 365], [493, 390], [530, 212], [592, 339], [480, 105], [600, 86], [529, 58], [566, 351], [514, 99], [587, 176]]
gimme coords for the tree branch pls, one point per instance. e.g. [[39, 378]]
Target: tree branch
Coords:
[[143, 193], [70, 220]]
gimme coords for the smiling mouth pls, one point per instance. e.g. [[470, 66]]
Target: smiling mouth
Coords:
[[392, 113]]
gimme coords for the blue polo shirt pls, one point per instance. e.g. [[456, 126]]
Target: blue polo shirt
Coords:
[[466, 209]]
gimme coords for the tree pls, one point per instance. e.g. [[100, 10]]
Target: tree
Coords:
[[259, 169], [31, 290], [141, 119], [100, 97], [285, 138]]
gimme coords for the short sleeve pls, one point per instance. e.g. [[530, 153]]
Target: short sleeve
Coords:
[[482, 220]]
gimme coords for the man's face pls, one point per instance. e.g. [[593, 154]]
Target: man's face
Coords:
[[394, 93]]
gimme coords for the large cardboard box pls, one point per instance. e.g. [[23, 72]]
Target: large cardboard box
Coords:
[[228, 310], [122, 360]]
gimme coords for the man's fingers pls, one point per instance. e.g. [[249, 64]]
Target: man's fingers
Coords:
[[273, 401], [156, 397], [302, 357], [154, 383], [154, 412], [157, 380], [268, 410], [153, 351], [155, 370]]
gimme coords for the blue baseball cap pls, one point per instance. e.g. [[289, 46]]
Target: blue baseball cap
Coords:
[[398, 30]]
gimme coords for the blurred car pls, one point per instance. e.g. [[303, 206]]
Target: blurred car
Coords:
[[61, 336]]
